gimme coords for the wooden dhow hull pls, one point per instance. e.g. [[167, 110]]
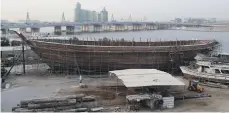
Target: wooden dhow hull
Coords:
[[103, 56]]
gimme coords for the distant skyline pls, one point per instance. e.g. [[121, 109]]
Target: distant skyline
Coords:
[[153, 10]]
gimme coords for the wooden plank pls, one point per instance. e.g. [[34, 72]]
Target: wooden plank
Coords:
[[49, 100]]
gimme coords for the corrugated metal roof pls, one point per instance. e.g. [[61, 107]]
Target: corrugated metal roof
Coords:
[[145, 77]]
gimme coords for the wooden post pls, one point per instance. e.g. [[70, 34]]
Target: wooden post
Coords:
[[150, 42], [83, 41], [176, 41], [94, 52], [117, 86], [119, 42], [100, 59], [160, 41], [23, 56], [50, 52], [109, 41], [133, 42], [66, 59]]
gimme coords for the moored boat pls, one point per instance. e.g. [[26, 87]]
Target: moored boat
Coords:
[[207, 71], [218, 57]]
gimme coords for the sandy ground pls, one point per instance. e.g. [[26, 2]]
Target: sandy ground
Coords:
[[29, 87]]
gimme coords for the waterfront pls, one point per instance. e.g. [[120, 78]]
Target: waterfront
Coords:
[[163, 35], [154, 35]]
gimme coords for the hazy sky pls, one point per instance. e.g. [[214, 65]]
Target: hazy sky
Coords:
[[154, 10]]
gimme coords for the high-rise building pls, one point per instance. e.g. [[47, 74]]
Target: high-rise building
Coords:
[[104, 15], [94, 16], [82, 15], [85, 15], [78, 12], [99, 17]]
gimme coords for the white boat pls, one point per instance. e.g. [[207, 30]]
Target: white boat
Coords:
[[220, 57], [207, 71]]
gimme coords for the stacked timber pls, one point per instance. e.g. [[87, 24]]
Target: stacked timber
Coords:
[[73, 103]]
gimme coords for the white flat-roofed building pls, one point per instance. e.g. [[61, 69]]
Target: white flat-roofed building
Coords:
[[145, 77]]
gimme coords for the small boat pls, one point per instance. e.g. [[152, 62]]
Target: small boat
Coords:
[[219, 57], [217, 72]]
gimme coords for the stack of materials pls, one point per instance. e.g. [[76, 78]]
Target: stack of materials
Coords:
[[153, 101], [168, 101], [77, 103]]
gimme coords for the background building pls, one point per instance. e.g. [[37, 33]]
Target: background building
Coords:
[[4, 21], [195, 20], [78, 12], [82, 15], [104, 15], [177, 20], [211, 20], [99, 17]]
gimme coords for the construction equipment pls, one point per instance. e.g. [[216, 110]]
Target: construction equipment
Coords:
[[194, 86]]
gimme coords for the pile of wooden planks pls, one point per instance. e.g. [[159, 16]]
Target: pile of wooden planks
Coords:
[[73, 103]]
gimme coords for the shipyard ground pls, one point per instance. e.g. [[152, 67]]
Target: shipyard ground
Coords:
[[33, 85]]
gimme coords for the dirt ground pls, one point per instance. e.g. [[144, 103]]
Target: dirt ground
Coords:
[[217, 103], [27, 87]]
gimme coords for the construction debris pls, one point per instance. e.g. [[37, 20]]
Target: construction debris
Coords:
[[139, 98]]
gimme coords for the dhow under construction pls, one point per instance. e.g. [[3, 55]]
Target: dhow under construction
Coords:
[[105, 55]]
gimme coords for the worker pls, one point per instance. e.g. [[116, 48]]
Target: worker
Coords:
[[80, 79]]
